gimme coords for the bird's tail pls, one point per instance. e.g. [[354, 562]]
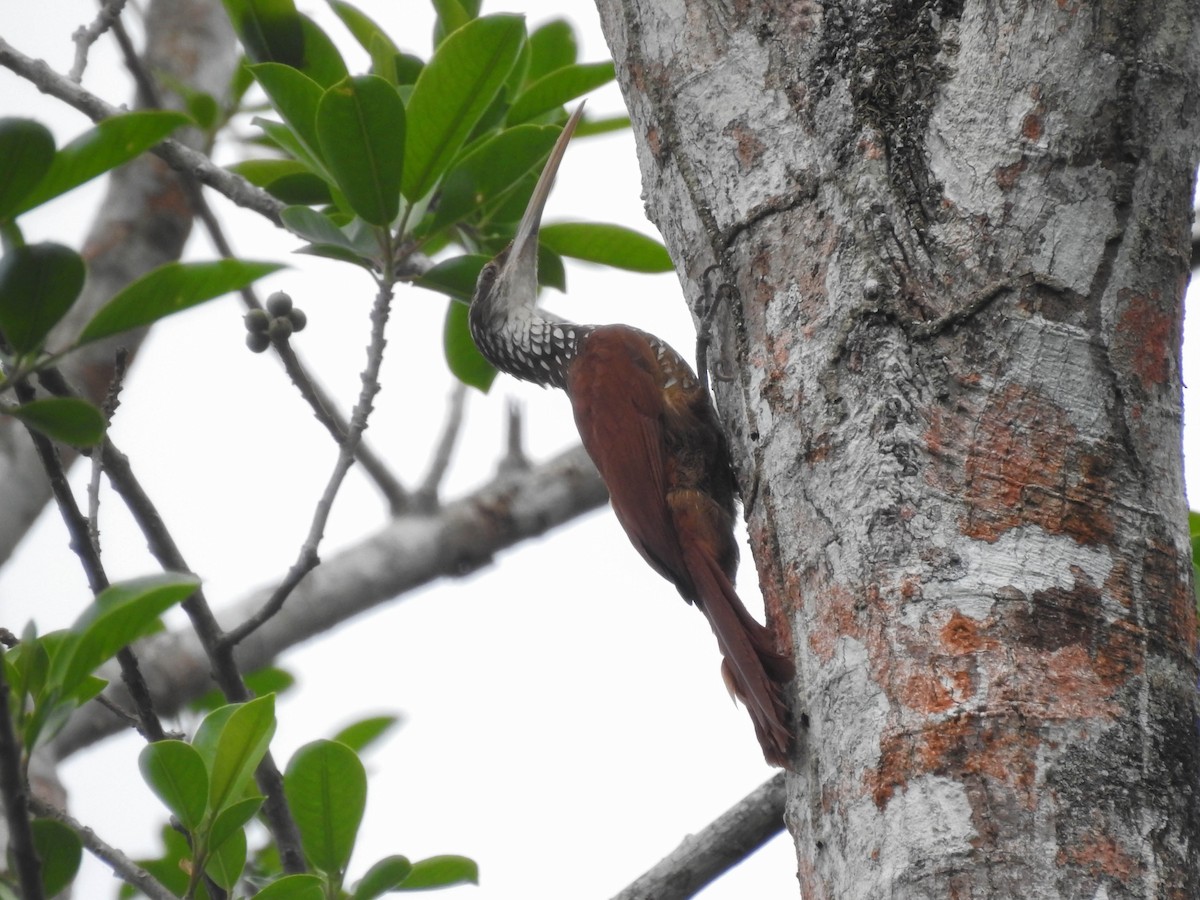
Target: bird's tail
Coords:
[[754, 671]]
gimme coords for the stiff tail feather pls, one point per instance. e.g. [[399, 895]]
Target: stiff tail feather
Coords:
[[753, 670]]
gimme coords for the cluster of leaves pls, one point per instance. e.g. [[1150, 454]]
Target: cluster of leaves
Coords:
[[424, 155], [207, 785], [50, 676], [39, 283]]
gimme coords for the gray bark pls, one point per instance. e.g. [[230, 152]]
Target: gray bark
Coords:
[[953, 240]]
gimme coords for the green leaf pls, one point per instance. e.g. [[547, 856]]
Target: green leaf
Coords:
[[294, 96], [553, 46], [360, 734], [38, 284], [322, 61], [314, 226], [382, 877], [26, 153], [232, 818], [113, 142], [293, 887], [270, 30], [452, 15], [120, 615], [178, 777], [462, 356], [225, 864], [455, 277], [60, 850], [243, 743], [208, 735], [364, 29], [440, 871], [267, 680], [454, 89], [361, 123], [491, 169], [559, 87], [170, 289], [326, 788], [610, 245], [408, 68], [67, 419], [606, 125], [288, 179]]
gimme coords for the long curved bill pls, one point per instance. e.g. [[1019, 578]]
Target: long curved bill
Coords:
[[525, 240]]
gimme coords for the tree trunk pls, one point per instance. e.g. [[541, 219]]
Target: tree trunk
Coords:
[[950, 242]]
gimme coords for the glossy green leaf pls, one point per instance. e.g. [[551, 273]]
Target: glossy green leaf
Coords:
[[462, 356], [170, 289], [243, 743], [294, 96], [267, 680], [270, 30], [314, 226], [26, 153], [364, 29], [491, 169], [111, 143], [59, 850], [38, 284], [553, 46], [323, 62], [559, 87], [293, 887], [408, 68], [382, 877], [361, 126], [454, 277], [176, 774], [208, 735], [364, 732], [232, 818], [287, 179], [455, 88], [67, 419], [227, 861], [121, 614], [281, 136], [551, 272], [440, 871], [326, 789], [452, 15], [610, 245]]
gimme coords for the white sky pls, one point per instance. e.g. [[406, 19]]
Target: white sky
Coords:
[[566, 724]]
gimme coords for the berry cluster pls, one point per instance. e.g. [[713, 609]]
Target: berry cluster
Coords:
[[276, 323]]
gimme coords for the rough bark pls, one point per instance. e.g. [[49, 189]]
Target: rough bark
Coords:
[[951, 241]]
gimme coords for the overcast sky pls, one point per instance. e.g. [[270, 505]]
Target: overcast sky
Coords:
[[565, 720]]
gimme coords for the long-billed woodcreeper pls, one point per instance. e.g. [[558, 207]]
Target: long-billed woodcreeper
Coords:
[[651, 429]]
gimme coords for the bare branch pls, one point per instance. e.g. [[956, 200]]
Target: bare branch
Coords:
[[14, 797], [427, 494], [407, 553], [86, 35], [308, 558], [122, 865], [716, 849]]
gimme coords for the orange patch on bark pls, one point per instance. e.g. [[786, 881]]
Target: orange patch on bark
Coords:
[[1101, 854], [1145, 336], [960, 635], [1008, 176], [837, 616], [1031, 127], [1020, 462]]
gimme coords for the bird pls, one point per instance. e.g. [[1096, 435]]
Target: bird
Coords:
[[652, 431]]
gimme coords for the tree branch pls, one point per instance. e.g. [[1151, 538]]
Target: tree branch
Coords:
[[409, 552], [427, 494], [716, 849], [121, 864], [15, 800]]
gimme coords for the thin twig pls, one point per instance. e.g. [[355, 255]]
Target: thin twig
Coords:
[[308, 558], [716, 849], [86, 35], [427, 495], [175, 154], [15, 796], [89, 556], [514, 458], [335, 423], [122, 865], [111, 401]]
